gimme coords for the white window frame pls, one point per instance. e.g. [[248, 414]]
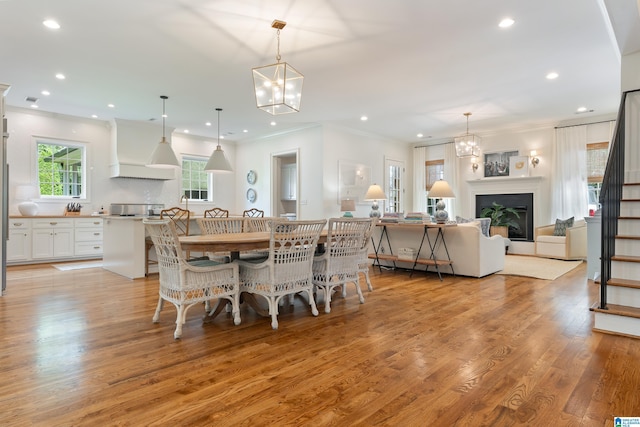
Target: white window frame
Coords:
[[209, 178], [84, 181]]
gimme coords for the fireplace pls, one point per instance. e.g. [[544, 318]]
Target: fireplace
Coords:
[[521, 202]]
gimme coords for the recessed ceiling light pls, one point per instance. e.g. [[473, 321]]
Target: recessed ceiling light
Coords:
[[60, 76], [221, 136], [364, 118], [273, 123], [506, 23], [45, 93], [111, 106], [34, 106], [419, 135], [52, 24], [94, 116], [582, 109], [245, 130], [208, 124], [186, 131], [553, 75]]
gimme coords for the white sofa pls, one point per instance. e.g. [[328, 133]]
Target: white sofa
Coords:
[[472, 253]]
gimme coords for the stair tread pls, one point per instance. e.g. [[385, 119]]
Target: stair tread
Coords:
[[627, 237], [626, 258], [619, 310], [627, 283]]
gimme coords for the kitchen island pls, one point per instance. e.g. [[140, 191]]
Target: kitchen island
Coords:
[[124, 246]]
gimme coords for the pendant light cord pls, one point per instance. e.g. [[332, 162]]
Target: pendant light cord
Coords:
[[164, 98], [218, 110]]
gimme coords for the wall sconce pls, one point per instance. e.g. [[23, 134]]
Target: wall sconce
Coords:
[[474, 164], [534, 159]]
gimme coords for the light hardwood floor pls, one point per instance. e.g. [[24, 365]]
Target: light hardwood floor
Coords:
[[79, 349]]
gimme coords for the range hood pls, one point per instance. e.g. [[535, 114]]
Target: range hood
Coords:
[[131, 146]]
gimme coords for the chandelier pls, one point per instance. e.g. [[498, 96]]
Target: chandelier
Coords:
[[278, 87], [468, 144]]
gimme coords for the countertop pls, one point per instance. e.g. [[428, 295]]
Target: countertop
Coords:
[[55, 216]]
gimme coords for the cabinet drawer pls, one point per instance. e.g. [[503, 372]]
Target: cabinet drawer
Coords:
[[88, 222], [89, 235], [19, 224], [52, 222], [88, 248]]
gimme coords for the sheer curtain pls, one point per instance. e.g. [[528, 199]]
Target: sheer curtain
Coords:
[[569, 179], [419, 179], [451, 176]]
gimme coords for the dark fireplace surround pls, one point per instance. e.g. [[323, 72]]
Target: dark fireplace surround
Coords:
[[521, 202]]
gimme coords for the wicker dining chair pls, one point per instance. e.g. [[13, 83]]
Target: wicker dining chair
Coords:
[[181, 218], [220, 226], [287, 270], [216, 213], [339, 264], [253, 213], [186, 283], [363, 262]]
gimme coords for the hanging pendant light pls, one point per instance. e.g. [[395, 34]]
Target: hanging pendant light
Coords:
[[163, 156], [278, 87], [218, 162], [468, 144]]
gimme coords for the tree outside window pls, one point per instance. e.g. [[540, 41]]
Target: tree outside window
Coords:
[[61, 169]]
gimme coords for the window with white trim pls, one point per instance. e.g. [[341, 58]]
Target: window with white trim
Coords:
[[61, 169], [435, 171], [196, 183]]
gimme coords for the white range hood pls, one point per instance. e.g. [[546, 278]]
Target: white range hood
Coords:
[[132, 143]]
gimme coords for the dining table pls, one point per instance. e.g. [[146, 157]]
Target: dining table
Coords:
[[234, 243]]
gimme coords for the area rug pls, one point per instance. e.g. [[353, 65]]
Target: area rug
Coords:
[[78, 265], [539, 268]]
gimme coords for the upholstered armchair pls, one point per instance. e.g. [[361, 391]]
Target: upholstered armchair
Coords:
[[573, 245]]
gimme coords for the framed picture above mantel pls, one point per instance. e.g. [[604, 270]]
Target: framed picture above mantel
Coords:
[[497, 164]]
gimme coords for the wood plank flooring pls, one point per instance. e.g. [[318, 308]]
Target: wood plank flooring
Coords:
[[79, 349]]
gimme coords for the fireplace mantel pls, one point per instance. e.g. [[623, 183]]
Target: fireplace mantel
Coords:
[[503, 179]]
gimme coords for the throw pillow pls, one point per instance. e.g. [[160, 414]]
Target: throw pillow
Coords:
[[561, 226], [485, 225]]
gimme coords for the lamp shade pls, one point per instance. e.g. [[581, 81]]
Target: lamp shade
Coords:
[[375, 192], [440, 190], [26, 192], [163, 156], [347, 205], [218, 162]]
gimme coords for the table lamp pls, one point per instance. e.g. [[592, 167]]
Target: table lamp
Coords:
[[375, 193], [346, 206], [25, 193], [440, 190]]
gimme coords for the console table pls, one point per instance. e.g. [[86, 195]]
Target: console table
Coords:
[[378, 254]]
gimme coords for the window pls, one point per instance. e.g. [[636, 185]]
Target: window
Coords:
[[61, 169], [196, 183], [395, 184], [435, 171], [597, 154]]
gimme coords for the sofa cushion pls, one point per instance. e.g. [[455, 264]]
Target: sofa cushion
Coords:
[[561, 226], [558, 240]]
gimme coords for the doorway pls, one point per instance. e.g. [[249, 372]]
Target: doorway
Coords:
[[286, 185]]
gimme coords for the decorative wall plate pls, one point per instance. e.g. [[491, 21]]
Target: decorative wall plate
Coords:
[[251, 195], [252, 177]]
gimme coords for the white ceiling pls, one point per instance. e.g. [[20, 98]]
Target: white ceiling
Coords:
[[411, 66]]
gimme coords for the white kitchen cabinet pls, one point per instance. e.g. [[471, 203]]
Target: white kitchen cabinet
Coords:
[[52, 238], [19, 243], [289, 181], [88, 237]]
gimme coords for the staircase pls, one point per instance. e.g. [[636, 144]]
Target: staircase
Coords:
[[618, 311], [622, 313]]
